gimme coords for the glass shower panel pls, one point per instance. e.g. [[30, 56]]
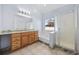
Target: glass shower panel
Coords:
[[67, 31]]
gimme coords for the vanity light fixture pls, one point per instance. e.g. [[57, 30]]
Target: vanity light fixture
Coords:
[[23, 12]]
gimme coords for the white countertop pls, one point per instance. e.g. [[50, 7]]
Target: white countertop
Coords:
[[15, 31], [52, 32]]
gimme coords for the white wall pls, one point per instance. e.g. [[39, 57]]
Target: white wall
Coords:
[[8, 17], [37, 20], [12, 21], [0, 17]]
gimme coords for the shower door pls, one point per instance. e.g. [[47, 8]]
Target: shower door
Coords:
[[66, 35]]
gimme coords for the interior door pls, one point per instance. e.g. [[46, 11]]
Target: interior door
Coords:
[[67, 31]]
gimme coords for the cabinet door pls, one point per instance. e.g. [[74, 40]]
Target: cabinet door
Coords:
[[16, 42], [36, 36], [31, 37], [24, 39]]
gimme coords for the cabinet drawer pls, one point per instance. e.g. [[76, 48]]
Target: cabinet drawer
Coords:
[[16, 43], [16, 39], [36, 34], [32, 36], [25, 34], [15, 47], [31, 33], [25, 39], [16, 35]]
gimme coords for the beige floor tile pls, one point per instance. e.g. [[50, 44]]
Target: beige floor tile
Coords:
[[39, 49]]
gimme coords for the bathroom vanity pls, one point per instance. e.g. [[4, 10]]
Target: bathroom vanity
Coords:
[[23, 39], [11, 41]]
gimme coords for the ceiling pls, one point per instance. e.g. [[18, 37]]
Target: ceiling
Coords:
[[42, 8]]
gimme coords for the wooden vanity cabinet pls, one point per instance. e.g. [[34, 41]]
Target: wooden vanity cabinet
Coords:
[[16, 41], [33, 36], [20, 40], [25, 38]]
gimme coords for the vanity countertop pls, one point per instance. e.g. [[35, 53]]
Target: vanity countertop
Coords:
[[15, 31], [52, 32]]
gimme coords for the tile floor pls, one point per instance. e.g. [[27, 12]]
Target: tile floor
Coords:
[[39, 48]]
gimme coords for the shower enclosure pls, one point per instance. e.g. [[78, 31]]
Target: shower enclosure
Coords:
[[66, 38], [67, 35]]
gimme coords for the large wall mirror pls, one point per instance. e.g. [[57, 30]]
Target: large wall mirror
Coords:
[[50, 24]]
